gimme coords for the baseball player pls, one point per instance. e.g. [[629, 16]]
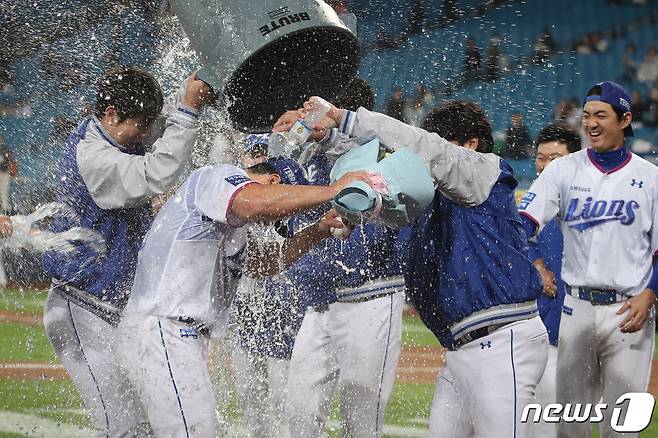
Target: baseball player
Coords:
[[605, 199], [186, 277], [266, 315], [468, 273], [350, 338], [554, 141], [108, 179]]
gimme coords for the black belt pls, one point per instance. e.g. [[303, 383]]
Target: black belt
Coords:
[[476, 334], [103, 309]]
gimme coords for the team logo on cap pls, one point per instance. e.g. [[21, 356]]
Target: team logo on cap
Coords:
[[290, 174], [623, 102]]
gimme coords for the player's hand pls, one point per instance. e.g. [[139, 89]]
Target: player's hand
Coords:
[[287, 119], [330, 121], [197, 93], [548, 280], [334, 116], [6, 228], [350, 177], [637, 308], [159, 201], [331, 224]]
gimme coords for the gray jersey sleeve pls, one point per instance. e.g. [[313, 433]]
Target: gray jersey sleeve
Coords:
[[337, 143], [116, 179], [463, 175]]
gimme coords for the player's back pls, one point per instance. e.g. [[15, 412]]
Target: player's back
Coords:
[[188, 247], [467, 264]]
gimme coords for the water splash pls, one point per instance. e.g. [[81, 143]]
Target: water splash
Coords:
[[216, 138], [344, 267], [32, 232]]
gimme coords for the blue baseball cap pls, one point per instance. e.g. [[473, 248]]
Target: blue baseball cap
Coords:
[[289, 171], [253, 140], [615, 95]]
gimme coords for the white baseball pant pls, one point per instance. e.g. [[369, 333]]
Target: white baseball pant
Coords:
[[597, 361], [165, 361], [484, 385], [262, 386], [86, 345], [350, 347], [545, 394]]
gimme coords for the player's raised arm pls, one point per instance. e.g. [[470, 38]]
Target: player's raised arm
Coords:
[[268, 202], [118, 179], [463, 175]]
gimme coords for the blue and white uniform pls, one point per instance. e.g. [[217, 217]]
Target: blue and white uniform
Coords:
[[267, 315], [350, 338], [606, 207], [472, 283], [187, 275], [109, 188], [548, 247]]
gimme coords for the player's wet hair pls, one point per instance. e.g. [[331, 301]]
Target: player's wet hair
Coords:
[[460, 121], [560, 132], [262, 169], [358, 94], [596, 91], [258, 151], [131, 91]]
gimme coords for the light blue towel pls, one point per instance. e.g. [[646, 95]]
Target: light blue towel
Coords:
[[409, 187]]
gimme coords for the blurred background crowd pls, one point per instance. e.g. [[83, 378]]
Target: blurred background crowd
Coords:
[[527, 62]]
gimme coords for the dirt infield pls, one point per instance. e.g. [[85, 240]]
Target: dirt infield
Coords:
[[32, 371], [417, 364], [26, 319]]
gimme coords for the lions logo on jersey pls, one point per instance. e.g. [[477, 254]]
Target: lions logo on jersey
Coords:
[[584, 214]]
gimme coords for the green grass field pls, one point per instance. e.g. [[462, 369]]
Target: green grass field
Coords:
[[22, 301], [54, 409], [414, 333]]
